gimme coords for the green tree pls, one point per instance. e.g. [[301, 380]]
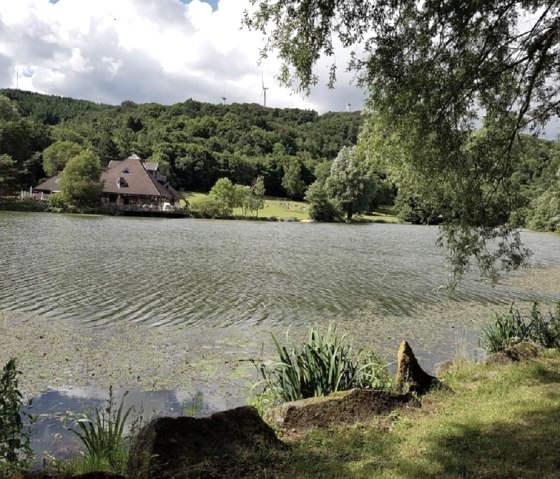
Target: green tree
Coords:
[[227, 195], [435, 72], [8, 109], [58, 154], [351, 183], [80, 180], [258, 191], [292, 181], [8, 172], [321, 206]]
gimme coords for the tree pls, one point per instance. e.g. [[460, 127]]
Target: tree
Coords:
[[435, 72], [8, 110], [351, 183], [292, 181], [80, 180], [321, 205], [58, 154], [8, 173], [227, 195], [258, 191]]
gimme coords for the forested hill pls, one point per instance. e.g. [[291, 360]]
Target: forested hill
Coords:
[[50, 109], [199, 142]]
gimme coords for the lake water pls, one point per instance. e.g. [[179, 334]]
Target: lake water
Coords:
[[213, 274], [225, 285]]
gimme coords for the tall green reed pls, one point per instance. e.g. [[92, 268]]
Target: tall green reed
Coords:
[[324, 363]]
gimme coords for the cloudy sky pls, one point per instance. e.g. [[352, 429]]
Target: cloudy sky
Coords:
[[161, 51]]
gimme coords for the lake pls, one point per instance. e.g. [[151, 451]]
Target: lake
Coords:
[[176, 304]]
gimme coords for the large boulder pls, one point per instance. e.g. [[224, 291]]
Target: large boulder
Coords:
[[344, 407], [410, 376], [177, 447]]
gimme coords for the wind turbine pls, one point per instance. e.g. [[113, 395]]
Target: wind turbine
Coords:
[[264, 88], [348, 107], [223, 99]]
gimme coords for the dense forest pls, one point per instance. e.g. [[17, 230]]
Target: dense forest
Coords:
[[198, 143]]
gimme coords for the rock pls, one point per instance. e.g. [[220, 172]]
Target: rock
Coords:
[[172, 447], [344, 407], [410, 376], [517, 352]]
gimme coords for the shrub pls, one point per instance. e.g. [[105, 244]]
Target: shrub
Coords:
[[323, 364], [15, 424], [211, 207], [511, 328], [102, 434], [57, 202]]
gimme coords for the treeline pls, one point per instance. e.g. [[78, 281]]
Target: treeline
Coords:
[[198, 143], [297, 153]]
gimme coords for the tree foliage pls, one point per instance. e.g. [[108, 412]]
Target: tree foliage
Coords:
[[351, 183], [58, 154], [80, 180], [452, 85]]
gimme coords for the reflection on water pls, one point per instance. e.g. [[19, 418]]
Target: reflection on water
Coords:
[[51, 438]]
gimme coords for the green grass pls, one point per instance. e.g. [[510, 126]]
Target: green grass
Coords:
[[497, 422], [285, 209]]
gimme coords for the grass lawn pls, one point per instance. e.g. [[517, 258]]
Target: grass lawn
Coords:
[[285, 209], [497, 422]]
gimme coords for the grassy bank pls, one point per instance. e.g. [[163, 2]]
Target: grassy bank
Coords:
[[289, 210], [498, 422]]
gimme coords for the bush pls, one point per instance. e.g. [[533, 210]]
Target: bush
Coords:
[[22, 205], [511, 328], [211, 207], [15, 424], [323, 364]]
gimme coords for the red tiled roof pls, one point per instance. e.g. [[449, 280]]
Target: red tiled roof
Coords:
[[136, 176]]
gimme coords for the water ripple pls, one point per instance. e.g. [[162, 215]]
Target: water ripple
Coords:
[[222, 274]]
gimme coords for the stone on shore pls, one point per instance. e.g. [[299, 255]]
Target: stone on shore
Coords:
[[518, 352], [185, 446], [410, 376], [343, 407]]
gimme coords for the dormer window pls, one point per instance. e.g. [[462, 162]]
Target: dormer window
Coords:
[[121, 182]]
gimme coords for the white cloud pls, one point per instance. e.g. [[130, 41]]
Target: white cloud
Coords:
[[146, 50]]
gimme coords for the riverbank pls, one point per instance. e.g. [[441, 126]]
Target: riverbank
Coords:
[[495, 421]]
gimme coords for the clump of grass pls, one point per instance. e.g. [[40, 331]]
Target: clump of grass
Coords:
[[102, 434], [323, 364], [506, 330]]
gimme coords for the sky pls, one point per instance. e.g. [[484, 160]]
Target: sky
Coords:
[[163, 51]]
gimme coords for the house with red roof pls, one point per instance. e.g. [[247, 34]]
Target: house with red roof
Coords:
[[130, 184]]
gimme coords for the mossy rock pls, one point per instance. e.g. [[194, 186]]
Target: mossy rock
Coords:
[[344, 407], [518, 352], [410, 376]]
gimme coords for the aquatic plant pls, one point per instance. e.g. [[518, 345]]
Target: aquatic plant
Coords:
[[507, 329], [323, 364], [102, 434], [15, 424]]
